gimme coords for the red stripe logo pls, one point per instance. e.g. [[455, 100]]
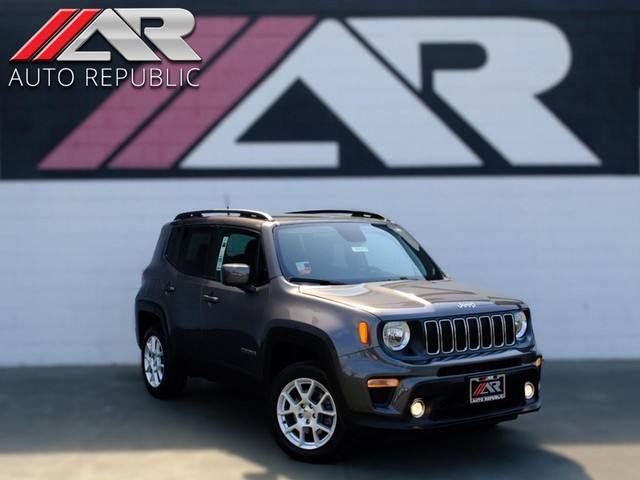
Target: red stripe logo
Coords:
[[68, 33], [43, 35], [479, 390]]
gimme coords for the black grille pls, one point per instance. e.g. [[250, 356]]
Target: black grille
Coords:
[[469, 333]]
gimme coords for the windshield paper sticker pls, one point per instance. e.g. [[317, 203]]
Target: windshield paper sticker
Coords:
[[359, 248], [223, 248], [304, 268]]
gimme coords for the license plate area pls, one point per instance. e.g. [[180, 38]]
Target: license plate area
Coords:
[[487, 389]]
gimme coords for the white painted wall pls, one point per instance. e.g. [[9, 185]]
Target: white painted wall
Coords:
[[71, 252]]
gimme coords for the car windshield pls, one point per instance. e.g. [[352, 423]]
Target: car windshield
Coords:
[[351, 252]]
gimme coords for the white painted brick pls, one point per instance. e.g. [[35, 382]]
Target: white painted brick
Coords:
[[71, 252]]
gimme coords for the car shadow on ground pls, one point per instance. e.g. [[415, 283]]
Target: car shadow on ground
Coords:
[[107, 409], [497, 452]]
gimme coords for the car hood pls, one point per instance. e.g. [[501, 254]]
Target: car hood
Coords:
[[409, 297]]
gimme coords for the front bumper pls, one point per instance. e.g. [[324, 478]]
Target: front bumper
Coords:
[[443, 386]]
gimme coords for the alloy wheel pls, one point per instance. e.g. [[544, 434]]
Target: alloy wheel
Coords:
[[154, 361], [306, 413]]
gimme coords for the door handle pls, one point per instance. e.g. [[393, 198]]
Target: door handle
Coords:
[[210, 298], [167, 287]]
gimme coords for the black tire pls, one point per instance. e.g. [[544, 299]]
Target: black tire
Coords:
[[163, 377], [317, 430]]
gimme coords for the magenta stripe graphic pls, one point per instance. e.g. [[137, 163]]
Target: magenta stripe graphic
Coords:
[[182, 124], [91, 143]]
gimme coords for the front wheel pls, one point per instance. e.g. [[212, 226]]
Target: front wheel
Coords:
[[303, 414]]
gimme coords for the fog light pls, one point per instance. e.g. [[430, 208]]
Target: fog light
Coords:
[[417, 408], [529, 390]]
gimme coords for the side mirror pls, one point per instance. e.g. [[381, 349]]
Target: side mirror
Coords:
[[235, 274]]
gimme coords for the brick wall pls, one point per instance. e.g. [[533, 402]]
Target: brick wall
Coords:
[[72, 252]]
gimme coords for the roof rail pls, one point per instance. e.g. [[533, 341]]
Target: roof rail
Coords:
[[240, 212], [353, 213]]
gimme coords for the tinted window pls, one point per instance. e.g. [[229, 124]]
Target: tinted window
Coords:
[[173, 245], [193, 244]]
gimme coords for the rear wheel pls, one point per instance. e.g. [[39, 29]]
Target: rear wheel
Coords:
[[162, 376], [303, 414]]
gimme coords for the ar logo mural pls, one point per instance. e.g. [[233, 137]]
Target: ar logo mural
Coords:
[[368, 72]]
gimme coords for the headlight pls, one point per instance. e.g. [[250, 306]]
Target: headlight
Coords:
[[396, 335], [521, 324]]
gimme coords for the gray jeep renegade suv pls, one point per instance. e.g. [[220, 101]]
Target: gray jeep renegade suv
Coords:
[[340, 317]]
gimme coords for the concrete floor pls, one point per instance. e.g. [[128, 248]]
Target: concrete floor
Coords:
[[99, 423]]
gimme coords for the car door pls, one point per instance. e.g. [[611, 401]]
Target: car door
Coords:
[[231, 317], [187, 252]]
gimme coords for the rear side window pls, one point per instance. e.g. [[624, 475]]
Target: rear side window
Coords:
[[173, 245], [188, 248]]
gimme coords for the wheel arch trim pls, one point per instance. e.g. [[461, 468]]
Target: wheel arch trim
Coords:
[[146, 306]]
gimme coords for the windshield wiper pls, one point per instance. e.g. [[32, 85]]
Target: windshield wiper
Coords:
[[319, 281]]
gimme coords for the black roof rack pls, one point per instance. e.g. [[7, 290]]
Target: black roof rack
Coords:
[[240, 212], [353, 213]]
